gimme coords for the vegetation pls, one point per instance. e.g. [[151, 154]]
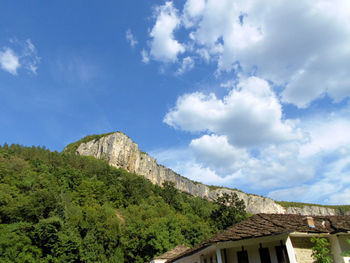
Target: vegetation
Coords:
[[347, 252], [321, 250], [61, 207], [341, 208], [230, 210]]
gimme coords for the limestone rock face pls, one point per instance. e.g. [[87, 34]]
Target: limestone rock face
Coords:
[[121, 152]]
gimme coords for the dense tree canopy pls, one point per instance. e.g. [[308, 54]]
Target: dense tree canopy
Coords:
[[60, 207], [230, 210]]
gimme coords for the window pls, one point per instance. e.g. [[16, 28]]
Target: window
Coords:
[[264, 255], [242, 256], [282, 256]]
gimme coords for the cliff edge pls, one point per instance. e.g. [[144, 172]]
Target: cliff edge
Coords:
[[121, 152]]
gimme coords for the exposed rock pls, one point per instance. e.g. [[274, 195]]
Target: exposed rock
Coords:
[[120, 151]]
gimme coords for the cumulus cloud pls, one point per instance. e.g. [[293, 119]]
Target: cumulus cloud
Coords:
[[271, 167], [187, 65], [204, 161], [249, 115], [216, 153], [164, 47], [182, 160], [283, 52], [282, 171], [130, 38], [25, 57], [249, 144], [192, 11], [9, 61], [301, 45]]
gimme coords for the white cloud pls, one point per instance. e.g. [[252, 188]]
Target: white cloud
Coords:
[[283, 171], [164, 47], [273, 166], [249, 115], [25, 57], [130, 38], [216, 153], [307, 193], [29, 57], [342, 197], [30, 48], [244, 139], [187, 65], [330, 187], [327, 150], [192, 10], [329, 134], [145, 56], [205, 161], [182, 161], [252, 147], [9, 61], [301, 45]]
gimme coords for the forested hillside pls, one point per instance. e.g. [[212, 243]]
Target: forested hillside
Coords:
[[60, 207]]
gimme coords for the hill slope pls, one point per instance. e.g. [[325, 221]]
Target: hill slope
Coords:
[[61, 207], [120, 151]]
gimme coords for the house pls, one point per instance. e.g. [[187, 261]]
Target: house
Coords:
[[170, 254], [272, 238]]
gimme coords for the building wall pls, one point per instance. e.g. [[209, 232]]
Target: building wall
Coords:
[[303, 249], [344, 246], [253, 252], [210, 258]]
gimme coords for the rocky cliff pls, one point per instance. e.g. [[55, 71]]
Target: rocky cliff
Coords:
[[120, 151]]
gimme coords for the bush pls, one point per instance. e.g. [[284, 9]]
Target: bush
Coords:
[[320, 251]]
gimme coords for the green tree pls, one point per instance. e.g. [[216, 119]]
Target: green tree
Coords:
[[230, 210], [171, 195], [61, 207], [320, 251]]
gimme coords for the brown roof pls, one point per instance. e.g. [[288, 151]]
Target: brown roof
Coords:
[[180, 249], [274, 224]]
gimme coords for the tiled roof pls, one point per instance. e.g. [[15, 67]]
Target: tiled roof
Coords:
[[180, 249], [274, 224], [271, 224]]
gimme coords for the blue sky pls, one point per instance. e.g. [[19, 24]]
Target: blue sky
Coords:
[[235, 93]]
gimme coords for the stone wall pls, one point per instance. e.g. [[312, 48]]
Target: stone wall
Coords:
[[121, 152], [303, 249]]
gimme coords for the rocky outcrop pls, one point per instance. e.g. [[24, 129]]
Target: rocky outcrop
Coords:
[[120, 151]]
